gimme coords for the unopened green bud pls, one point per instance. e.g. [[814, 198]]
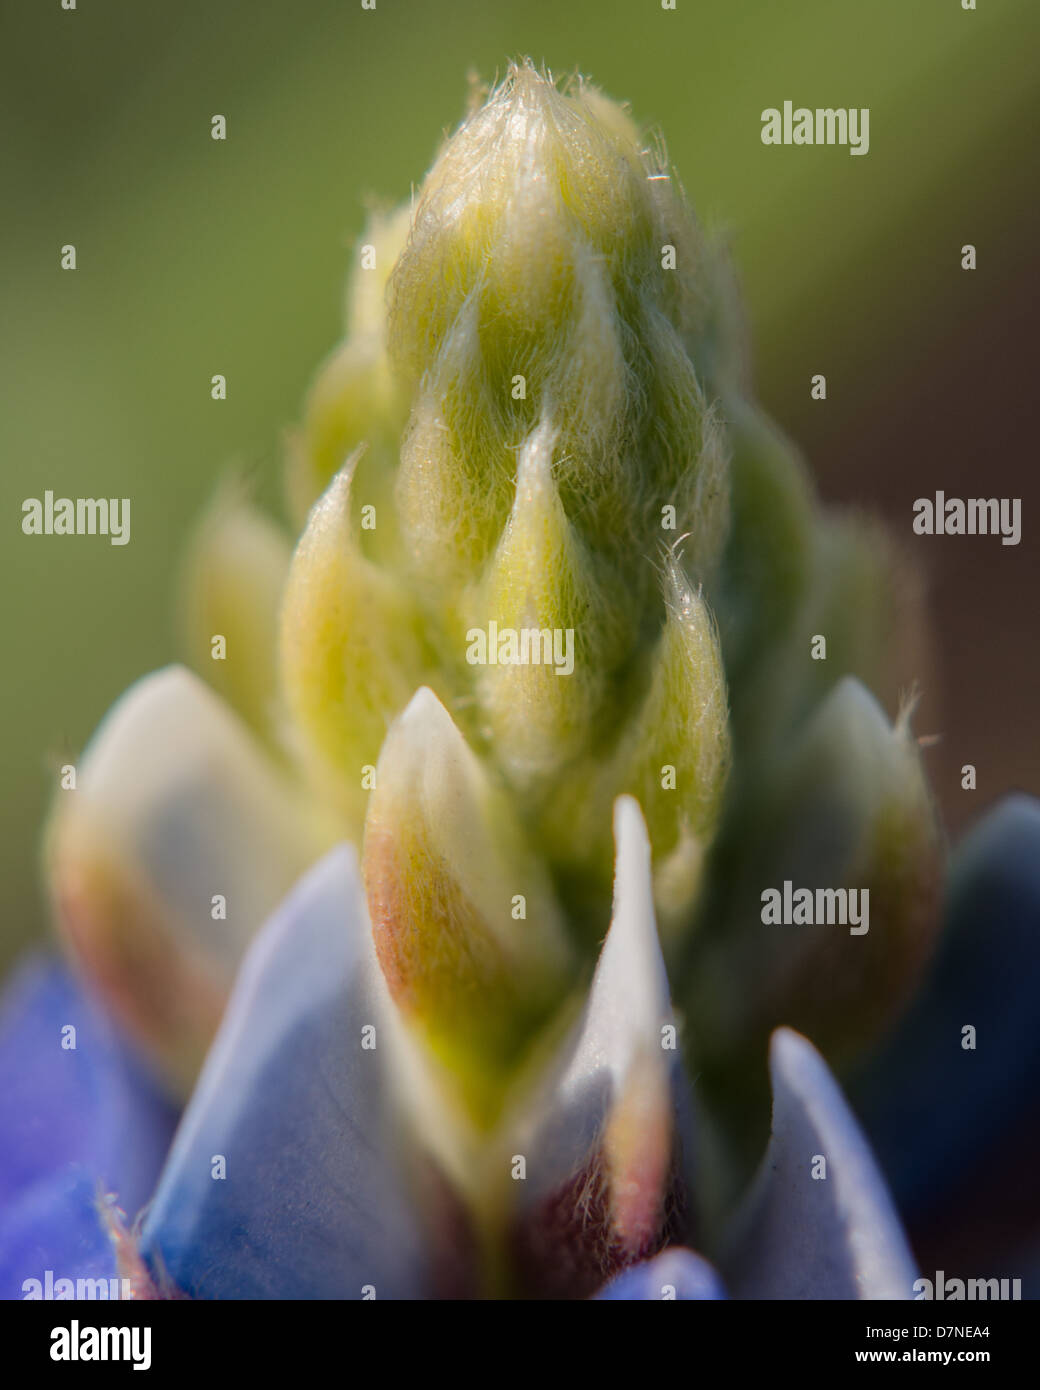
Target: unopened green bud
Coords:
[[543, 593], [672, 756], [355, 398], [552, 277], [767, 565], [843, 842], [466, 927], [232, 589], [352, 653], [844, 603], [867, 603], [679, 739]]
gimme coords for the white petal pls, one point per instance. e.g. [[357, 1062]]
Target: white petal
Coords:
[[627, 1007]]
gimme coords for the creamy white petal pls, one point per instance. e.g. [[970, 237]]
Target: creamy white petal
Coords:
[[178, 840], [188, 799]]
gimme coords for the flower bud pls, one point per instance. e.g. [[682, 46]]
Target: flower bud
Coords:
[[845, 581], [672, 756], [552, 274], [355, 398], [766, 568], [466, 927], [847, 810], [352, 652], [231, 590], [543, 591], [675, 756], [866, 599]]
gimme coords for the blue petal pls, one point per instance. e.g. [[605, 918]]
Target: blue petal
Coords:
[[76, 1122], [933, 1109], [674, 1274], [313, 1204], [800, 1236]]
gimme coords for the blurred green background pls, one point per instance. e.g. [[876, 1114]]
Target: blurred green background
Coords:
[[197, 257]]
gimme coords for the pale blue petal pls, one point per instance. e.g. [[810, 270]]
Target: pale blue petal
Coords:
[[313, 1204], [804, 1237], [674, 1274]]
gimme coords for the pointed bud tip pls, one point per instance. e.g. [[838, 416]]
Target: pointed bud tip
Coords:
[[466, 927]]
